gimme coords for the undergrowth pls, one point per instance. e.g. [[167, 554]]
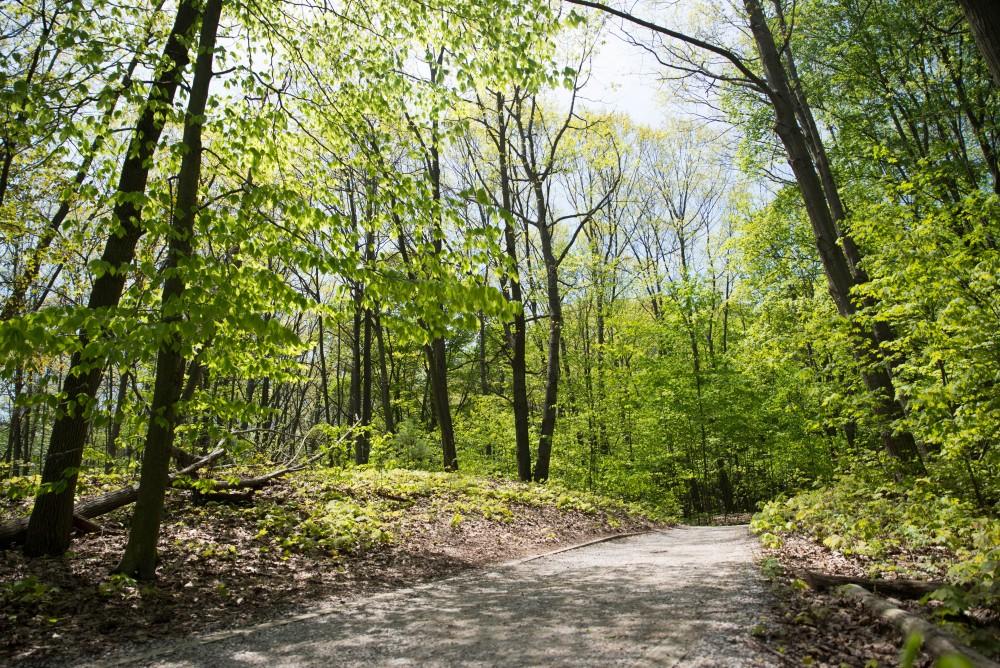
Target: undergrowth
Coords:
[[912, 529], [347, 510]]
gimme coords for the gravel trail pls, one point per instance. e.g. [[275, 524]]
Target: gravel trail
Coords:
[[688, 596]]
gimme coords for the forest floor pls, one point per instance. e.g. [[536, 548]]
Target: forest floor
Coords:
[[840, 631], [313, 536], [374, 561]]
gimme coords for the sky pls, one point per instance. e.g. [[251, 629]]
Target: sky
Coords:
[[624, 79]]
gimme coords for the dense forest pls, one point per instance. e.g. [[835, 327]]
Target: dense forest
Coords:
[[402, 235]]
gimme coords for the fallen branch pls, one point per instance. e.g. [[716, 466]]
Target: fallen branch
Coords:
[[12, 532], [936, 642], [221, 490], [895, 588], [217, 486]]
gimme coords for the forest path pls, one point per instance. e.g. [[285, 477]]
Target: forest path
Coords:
[[688, 596]]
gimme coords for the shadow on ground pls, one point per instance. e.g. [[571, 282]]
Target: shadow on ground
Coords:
[[688, 597]]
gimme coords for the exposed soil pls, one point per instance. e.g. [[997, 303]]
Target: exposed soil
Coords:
[[214, 574]]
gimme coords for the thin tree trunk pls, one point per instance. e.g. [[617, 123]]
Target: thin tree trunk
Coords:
[[323, 376], [14, 440], [518, 343], [139, 559], [364, 440], [383, 371], [550, 408], [116, 420]]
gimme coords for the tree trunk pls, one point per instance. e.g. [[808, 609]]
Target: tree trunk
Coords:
[[116, 420], [437, 365], [549, 410], [484, 385], [829, 241], [356, 363], [14, 440], [52, 516], [383, 371], [364, 438], [139, 560], [324, 382], [518, 343], [984, 21]]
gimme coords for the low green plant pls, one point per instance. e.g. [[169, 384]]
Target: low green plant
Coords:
[[939, 534]]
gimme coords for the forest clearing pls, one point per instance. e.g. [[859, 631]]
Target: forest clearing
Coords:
[[329, 314]]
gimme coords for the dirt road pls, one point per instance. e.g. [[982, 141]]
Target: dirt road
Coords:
[[688, 596]]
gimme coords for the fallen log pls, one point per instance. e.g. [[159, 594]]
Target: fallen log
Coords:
[[936, 642], [83, 525], [895, 588], [12, 532], [232, 498]]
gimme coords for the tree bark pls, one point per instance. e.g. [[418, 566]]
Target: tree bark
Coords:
[[52, 516], [984, 21], [519, 379], [518, 334], [830, 242], [139, 559], [383, 370], [364, 438], [550, 408]]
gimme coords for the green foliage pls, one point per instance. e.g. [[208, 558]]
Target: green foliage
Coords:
[[18, 488], [326, 438], [27, 591], [410, 447], [340, 511], [913, 529]]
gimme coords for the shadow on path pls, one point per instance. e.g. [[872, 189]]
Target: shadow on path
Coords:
[[688, 596]]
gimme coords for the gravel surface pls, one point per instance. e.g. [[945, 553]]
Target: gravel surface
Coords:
[[688, 596]]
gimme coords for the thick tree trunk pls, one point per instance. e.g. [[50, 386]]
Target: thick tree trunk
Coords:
[[139, 560], [984, 21], [52, 515]]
